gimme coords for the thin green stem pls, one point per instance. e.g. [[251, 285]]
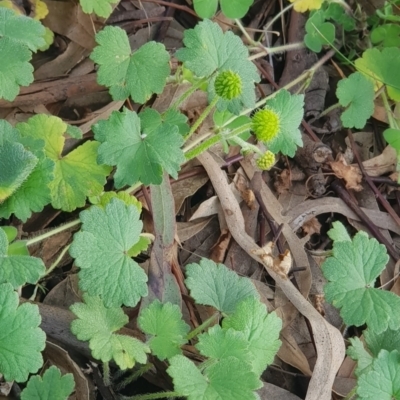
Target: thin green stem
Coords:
[[203, 326], [246, 35], [392, 122], [277, 16], [187, 93], [53, 232], [151, 396], [134, 376], [133, 187], [246, 146], [193, 149], [202, 117], [328, 110], [302, 77], [106, 374], [57, 261], [273, 50]]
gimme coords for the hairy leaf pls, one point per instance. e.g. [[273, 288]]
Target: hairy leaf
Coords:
[[260, 329], [21, 339], [51, 386], [138, 75], [18, 269], [229, 379], [167, 329], [100, 250], [138, 156], [217, 286], [77, 175], [97, 324], [351, 272]]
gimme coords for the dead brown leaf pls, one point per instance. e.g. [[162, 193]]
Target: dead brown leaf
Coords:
[[349, 173], [312, 226], [221, 247]]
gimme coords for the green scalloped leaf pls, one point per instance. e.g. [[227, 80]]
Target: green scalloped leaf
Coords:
[[260, 329], [319, 32], [229, 379], [97, 324], [16, 164], [139, 156], [77, 175], [138, 75], [382, 67], [289, 107], [18, 269], [356, 93], [21, 339], [52, 385], [102, 8], [352, 272], [167, 329], [215, 285], [100, 250]]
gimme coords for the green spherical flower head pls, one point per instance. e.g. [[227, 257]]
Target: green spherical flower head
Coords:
[[228, 85], [266, 161], [265, 124]]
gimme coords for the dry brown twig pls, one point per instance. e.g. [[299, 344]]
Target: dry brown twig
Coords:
[[328, 340]]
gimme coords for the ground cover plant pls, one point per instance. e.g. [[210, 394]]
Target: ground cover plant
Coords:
[[94, 207]]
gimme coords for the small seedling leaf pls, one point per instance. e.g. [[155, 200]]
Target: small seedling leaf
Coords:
[[21, 339], [100, 250], [319, 32], [138, 75], [235, 8], [51, 386], [138, 156], [338, 13], [387, 35], [217, 286], [382, 68], [231, 8], [351, 272], [339, 233], [357, 94], [392, 136], [205, 8], [167, 329]]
